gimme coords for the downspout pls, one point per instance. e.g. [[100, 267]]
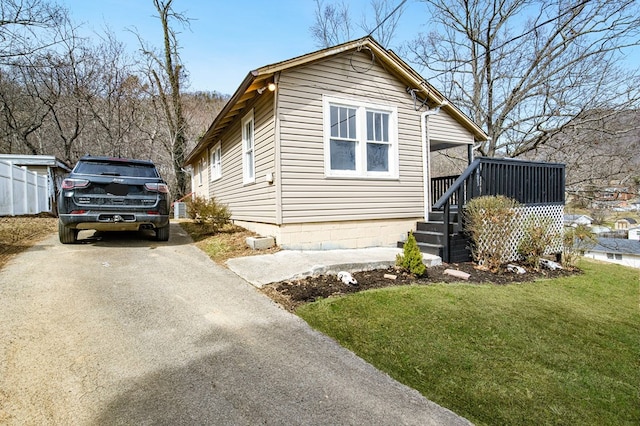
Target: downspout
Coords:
[[426, 157], [277, 150]]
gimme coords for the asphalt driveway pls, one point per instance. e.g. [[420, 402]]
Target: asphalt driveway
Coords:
[[125, 330]]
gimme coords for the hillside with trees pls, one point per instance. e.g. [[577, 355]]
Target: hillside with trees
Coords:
[[66, 95]]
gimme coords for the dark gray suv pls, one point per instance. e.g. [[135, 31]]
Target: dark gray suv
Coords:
[[113, 194]]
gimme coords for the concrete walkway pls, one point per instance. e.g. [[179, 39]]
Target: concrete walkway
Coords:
[[265, 269]]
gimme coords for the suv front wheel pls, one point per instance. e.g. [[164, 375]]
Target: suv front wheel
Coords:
[[67, 235]]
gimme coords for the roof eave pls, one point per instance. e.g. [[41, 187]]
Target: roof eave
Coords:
[[256, 78]]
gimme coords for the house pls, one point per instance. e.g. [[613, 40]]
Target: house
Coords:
[[634, 234], [577, 219], [331, 150], [616, 250], [47, 165], [625, 223]]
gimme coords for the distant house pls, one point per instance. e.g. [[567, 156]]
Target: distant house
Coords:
[[577, 219], [616, 194], [616, 250], [332, 150], [600, 229], [634, 234], [625, 223]]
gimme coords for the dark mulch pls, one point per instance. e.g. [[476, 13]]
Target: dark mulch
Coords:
[[294, 293]]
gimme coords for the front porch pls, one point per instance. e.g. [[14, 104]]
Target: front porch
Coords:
[[539, 187]]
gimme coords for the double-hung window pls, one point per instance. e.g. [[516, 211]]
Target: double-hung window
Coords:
[[360, 139], [216, 162], [248, 149]]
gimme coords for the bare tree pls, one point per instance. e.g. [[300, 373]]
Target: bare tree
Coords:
[[600, 149], [167, 74], [25, 27], [22, 111], [117, 102], [333, 24], [525, 69]]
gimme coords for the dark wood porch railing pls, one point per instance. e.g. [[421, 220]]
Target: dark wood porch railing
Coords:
[[440, 185], [528, 182]]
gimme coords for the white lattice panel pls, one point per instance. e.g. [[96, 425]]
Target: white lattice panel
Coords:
[[538, 214]]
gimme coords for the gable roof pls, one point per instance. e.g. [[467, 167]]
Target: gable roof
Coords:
[[629, 220], [257, 79]]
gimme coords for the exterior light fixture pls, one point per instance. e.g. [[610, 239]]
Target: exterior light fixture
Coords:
[[271, 87]]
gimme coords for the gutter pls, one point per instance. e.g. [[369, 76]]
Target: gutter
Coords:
[[426, 156]]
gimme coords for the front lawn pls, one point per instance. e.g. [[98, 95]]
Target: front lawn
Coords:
[[562, 351]]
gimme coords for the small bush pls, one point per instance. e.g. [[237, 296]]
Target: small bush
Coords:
[[209, 214], [491, 222], [538, 236], [575, 242], [412, 259]]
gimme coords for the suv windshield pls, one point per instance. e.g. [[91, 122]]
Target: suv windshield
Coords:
[[115, 169]]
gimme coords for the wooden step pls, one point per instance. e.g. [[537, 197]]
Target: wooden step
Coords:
[[430, 237], [438, 216], [433, 226], [434, 249]]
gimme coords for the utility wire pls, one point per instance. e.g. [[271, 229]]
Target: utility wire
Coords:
[[387, 17]]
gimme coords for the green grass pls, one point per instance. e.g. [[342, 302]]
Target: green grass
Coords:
[[562, 351]]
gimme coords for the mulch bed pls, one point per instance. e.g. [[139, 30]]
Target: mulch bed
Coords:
[[294, 293]]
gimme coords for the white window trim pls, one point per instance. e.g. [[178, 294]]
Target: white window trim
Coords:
[[216, 167], [248, 173], [202, 168], [361, 145]]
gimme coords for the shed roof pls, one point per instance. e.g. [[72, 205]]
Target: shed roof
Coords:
[[35, 160], [259, 78]]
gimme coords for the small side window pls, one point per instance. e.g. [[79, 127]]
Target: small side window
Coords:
[[248, 149], [216, 162]]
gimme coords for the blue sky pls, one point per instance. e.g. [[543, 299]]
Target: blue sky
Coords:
[[228, 38]]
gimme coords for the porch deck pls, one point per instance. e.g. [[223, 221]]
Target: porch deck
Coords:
[[530, 183]]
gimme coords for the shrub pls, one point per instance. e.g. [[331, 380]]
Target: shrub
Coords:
[[412, 258], [575, 242], [538, 236], [209, 214], [491, 222]]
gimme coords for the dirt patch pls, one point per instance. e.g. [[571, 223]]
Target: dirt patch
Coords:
[[228, 243], [294, 293], [18, 233]]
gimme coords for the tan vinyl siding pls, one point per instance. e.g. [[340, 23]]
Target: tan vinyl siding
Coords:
[[309, 196], [255, 201], [444, 128]]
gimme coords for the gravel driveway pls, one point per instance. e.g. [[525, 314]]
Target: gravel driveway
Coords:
[[125, 330]]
